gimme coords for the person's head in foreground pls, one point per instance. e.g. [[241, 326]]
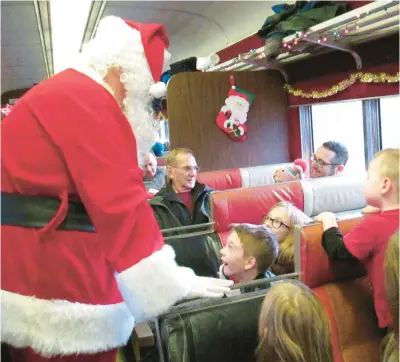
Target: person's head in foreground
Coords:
[[391, 270], [182, 169], [249, 252], [293, 326], [281, 220], [129, 58], [382, 185], [329, 160]]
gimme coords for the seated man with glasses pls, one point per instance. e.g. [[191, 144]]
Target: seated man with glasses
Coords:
[[183, 201], [329, 160]]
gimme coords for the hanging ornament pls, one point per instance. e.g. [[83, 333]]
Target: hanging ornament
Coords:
[[233, 115]]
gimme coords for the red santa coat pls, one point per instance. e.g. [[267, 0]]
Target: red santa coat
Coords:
[[73, 292]]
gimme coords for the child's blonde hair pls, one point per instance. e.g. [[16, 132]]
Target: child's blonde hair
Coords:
[[293, 326], [296, 217], [389, 164], [258, 242], [391, 270]]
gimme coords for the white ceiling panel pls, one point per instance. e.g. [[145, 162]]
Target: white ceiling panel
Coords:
[[17, 20], [197, 28], [22, 62], [26, 72], [17, 55]]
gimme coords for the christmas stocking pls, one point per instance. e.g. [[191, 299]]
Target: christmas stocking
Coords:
[[233, 115]]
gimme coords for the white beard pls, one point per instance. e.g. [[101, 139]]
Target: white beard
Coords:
[[137, 109]]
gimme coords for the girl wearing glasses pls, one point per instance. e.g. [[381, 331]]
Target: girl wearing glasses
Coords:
[[281, 220]]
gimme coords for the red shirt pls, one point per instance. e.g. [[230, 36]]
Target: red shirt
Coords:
[[367, 242], [186, 198]]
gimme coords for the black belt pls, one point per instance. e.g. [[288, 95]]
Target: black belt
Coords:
[[37, 212]]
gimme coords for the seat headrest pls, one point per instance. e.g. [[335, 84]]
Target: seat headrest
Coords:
[[313, 263], [260, 175], [200, 253], [251, 204], [335, 194], [186, 335], [221, 180]]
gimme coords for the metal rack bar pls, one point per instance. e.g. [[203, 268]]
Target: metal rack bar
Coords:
[[364, 16]]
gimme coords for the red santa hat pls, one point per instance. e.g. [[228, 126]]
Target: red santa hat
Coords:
[[154, 39]]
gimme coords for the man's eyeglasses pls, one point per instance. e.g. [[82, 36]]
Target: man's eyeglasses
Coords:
[[275, 223], [322, 163], [188, 169]]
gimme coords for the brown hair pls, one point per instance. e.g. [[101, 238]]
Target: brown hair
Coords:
[[172, 156], [391, 270], [389, 164], [293, 326], [259, 243], [296, 217]]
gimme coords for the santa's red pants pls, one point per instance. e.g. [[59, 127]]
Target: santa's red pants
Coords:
[[28, 355]]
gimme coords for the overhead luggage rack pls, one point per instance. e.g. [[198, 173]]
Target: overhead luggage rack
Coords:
[[366, 23]]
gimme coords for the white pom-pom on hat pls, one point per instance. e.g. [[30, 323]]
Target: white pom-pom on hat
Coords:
[[158, 90]]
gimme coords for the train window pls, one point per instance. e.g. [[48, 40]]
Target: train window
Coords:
[[390, 122], [342, 122], [163, 132]]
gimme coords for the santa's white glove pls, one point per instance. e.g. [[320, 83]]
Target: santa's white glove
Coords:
[[204, 287]]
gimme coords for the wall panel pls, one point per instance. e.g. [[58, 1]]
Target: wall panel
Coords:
[[194, 100]]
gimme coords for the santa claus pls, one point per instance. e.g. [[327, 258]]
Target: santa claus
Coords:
[[83, 259]]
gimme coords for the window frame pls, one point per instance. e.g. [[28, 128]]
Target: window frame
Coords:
[[380, 117]]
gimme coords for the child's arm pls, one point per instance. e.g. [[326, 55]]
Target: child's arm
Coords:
[[332, 238]]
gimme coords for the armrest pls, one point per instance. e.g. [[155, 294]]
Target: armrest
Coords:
[[144, 335]]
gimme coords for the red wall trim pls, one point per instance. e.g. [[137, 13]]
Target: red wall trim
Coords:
[[293, 115], [243, 46]]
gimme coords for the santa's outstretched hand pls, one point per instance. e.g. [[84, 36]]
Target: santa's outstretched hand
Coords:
[[204, 287]]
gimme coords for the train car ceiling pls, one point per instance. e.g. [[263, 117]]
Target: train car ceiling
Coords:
[[40, 38]]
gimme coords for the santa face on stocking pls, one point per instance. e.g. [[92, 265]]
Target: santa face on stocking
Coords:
[[233, 115], [239, 108]]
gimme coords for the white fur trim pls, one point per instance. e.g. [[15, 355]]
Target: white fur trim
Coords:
[[155, 284], [59, 327]]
